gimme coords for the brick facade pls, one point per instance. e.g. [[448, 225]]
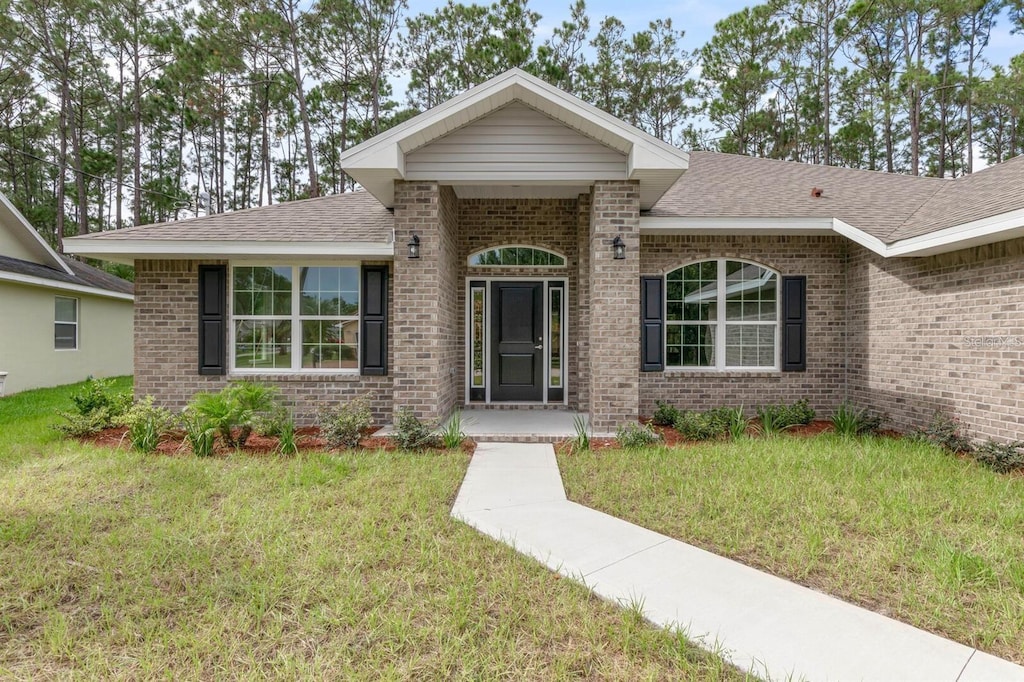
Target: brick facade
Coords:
[[823, 261], [166, 350], [940, 333], [425, 301], [614, 336], [906, 336]]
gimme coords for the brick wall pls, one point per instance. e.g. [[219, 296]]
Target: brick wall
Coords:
[[425, 304], [579, 340], [822, 260], [941, 333], [614, 336], [166, 350], [544, 223]]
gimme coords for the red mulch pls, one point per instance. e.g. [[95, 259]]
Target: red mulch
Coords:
[[307, 439], [673, 438]]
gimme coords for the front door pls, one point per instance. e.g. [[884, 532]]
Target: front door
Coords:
[[517, 341]]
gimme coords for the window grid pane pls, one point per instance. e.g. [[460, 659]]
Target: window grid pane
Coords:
[[65, 323], [517, 255], [323, 307], [263, 344], [747, 331]]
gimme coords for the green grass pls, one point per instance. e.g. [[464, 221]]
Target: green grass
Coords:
[[901, 528], [116, 564]]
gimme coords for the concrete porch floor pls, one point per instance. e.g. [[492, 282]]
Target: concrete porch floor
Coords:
[[490, 425]]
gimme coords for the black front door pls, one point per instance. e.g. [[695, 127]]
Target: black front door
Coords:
[[517, 341]]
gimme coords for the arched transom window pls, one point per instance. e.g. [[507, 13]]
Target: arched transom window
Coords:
[[722, 314], [528, 256]]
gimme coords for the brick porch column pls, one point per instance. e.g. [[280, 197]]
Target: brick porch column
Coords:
[[614, 306], [424, 300]]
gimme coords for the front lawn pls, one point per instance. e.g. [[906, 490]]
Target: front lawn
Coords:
[[326, 566], [904, 529]]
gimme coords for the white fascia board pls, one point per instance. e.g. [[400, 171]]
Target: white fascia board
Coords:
[[745, 225], [995, 228], [62, 286], [127, 250], [866, 240], [35, 238]]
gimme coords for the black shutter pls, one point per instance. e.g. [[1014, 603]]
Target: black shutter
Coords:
[[374, 321], [213, 313], [794, 323], [652, 324]]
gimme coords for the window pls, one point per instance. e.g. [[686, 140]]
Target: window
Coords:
[[721, 314], [517, 255], [65, 323], [295, 318]]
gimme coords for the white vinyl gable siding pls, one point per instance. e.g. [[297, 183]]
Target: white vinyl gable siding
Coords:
[[515, 143]]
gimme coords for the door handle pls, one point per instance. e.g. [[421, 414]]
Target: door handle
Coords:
[[539, 347]]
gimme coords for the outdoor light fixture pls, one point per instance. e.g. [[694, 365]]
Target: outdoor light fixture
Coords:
[[414, 246], [619, 247]]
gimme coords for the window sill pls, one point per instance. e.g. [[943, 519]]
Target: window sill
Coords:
[[724, 373], [279, 376]]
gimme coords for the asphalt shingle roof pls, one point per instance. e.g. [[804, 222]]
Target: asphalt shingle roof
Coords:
[[354, 216], [85, 275]]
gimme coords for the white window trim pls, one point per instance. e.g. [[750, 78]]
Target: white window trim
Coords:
[[470, 263], [75, 324], [295, 318], [720, 324]]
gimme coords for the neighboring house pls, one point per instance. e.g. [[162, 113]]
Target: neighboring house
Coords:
[[61, 321], [516, 245]]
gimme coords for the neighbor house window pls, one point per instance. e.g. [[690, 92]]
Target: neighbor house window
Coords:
[[721, 314], [295, 317], [65, 323], [516, 256]]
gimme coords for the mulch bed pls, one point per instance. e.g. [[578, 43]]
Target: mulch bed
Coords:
[[307, 439], [673, 438]]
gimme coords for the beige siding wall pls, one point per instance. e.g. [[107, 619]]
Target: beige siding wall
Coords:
[[166, 350], [823, 261], [515, 143], [940, 333], [26, 338]]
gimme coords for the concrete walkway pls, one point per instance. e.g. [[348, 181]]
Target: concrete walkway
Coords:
[[771, 627]]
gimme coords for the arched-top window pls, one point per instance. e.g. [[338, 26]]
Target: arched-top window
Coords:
[[522, 256], [722, 314]]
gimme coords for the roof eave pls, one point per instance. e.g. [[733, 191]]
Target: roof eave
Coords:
[[42, 282], [130, 250]]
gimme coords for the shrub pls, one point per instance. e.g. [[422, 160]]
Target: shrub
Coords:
[[848, 421], [665, 414], [413, 434], [286, 444], [97, 407], [98, 395], [343, 426], [270, 423], [252, 400], [146, 423], [780, 417], [946, 432], [735, 422], [632, 435], [700, 425], [219, 411], [1001, 457], [200, 433], [581, 441], [772, 420], [452, 434]]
